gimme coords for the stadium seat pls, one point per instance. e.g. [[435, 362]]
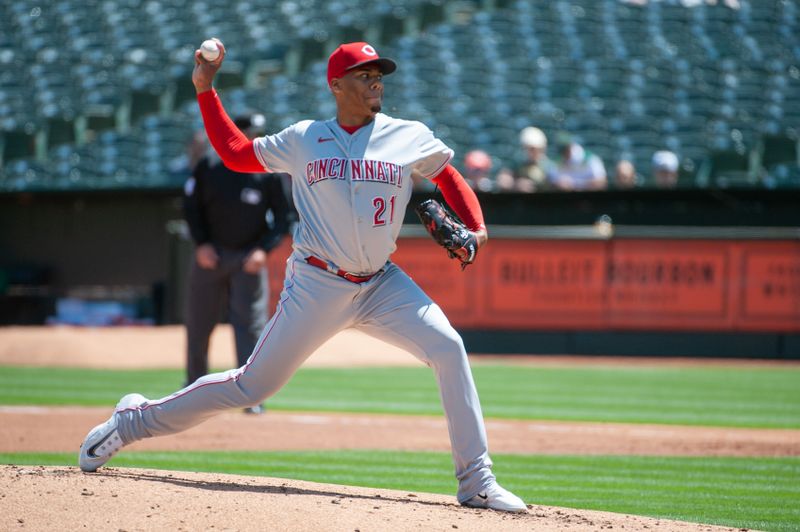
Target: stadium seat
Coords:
[[726, 168], [783, 176], [776, 149], [596, 67], [779, 160]]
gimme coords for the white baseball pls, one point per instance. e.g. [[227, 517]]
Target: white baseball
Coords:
[[209, 50]]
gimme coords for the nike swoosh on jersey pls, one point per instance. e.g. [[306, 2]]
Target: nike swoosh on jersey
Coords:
[[324, 140]]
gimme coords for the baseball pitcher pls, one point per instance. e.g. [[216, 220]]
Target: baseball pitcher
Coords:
[[352, 180]]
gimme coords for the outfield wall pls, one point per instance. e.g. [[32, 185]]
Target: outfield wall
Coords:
[[572, 287], [731, 297]]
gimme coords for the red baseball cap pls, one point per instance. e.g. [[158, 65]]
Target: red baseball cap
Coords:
[[354, 54], [478, 160]]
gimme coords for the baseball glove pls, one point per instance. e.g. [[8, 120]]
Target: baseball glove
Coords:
[[448, 232]]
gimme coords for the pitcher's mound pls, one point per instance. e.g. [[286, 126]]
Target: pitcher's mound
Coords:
[[64, 498]]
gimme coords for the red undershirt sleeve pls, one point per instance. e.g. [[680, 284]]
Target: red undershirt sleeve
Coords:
[[233, 147], [460, 197]]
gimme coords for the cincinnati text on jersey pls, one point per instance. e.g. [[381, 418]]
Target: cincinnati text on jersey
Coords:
[[359, 170]]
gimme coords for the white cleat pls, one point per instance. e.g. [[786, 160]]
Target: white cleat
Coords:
[[497, 498], [103, 441]]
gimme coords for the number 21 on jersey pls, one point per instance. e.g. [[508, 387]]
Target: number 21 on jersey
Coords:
[[379, 217]]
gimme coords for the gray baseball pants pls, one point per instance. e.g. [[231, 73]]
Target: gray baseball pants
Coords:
[[314, 306]]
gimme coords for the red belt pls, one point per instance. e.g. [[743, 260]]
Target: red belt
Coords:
[[319, 263]]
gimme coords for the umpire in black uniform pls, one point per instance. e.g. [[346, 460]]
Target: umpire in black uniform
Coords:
[[235, 219]]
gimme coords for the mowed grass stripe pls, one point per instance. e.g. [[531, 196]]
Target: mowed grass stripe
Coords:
[[687, 395], [736, 397], [687, 488]]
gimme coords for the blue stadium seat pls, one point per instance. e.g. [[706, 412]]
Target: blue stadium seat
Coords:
[[652, 74]]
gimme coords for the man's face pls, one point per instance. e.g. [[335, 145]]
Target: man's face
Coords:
[[665, 178], [474, 173], [360, 91], [534, 153], [625, 175], [253, 132]]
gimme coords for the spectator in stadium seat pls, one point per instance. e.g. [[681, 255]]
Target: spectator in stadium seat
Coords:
[[665, 169], [477, 165], [477, 172], [576, 168], [625, 177], [531, 174]]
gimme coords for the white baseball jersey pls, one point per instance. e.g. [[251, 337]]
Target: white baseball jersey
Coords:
[[360, 182]]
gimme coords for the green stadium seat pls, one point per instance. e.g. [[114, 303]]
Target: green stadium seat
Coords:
[[730, 168], [779, 149], [593, 65]]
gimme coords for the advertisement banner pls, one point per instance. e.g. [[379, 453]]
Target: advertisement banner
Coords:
[[616, 284], [770, 286], [668, 284]]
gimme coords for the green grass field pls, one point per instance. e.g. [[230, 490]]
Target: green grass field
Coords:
[[735, 397], [760, 493]]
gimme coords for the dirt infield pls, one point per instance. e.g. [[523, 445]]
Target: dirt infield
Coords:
[[35, 498], [38, 429], [161, 500]]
